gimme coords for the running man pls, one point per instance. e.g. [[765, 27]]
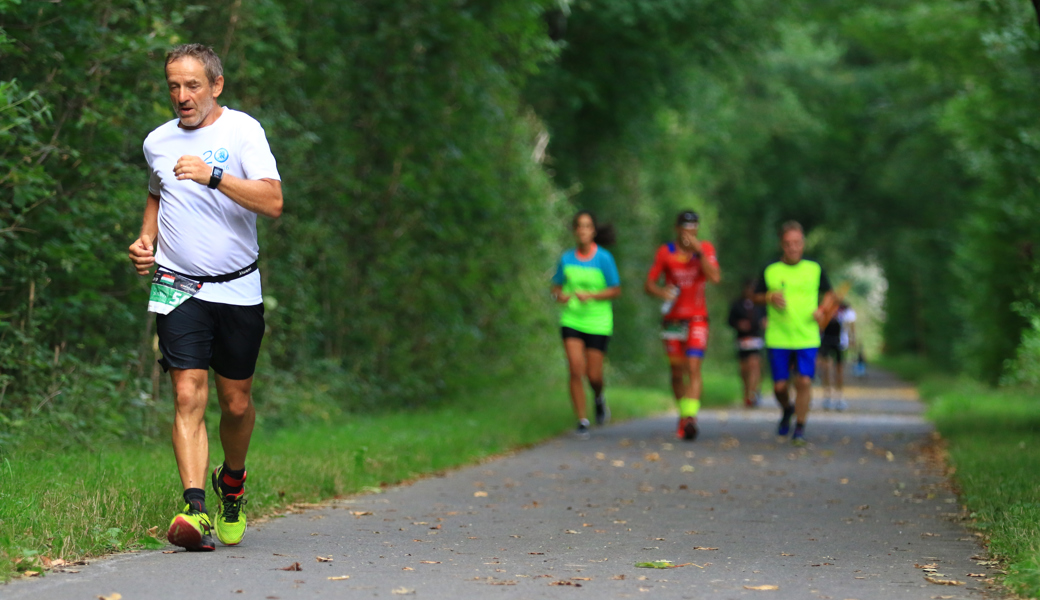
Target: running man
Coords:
[[211, 172], [585, 282], [797, 295], [687, 264], [749, 321]]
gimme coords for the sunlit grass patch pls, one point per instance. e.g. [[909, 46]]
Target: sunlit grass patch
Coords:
[[994, 443]]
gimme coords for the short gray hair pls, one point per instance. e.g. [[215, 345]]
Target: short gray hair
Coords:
[[202, 53], [791, 226]]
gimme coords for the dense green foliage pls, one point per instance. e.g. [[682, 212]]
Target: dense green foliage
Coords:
[[417, 229], [433, 152]]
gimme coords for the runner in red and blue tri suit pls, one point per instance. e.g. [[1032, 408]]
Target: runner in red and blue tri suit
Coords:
[[687, 265]]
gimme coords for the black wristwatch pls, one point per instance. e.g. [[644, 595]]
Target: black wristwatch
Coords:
[[215, 177]]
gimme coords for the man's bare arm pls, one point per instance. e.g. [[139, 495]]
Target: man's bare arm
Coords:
[[142, 251], [262, 196]]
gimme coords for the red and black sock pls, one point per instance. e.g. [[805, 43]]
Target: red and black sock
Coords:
[[231, 481], [196, 499]]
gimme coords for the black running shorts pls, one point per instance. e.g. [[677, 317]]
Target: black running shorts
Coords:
[[831, 348], [200, 335], [593, 341]]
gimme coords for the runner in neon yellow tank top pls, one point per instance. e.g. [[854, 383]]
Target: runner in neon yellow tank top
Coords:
[[797, 293]]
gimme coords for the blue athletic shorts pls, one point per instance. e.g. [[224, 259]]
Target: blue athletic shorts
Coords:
[[781, 362]]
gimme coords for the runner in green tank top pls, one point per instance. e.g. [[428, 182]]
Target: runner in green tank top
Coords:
[[585, 283], [797, 294]]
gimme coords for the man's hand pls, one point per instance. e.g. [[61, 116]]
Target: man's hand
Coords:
[[193, 168], [777, 300], [689, 240], [819, 315], [142, 254], [583, 296]]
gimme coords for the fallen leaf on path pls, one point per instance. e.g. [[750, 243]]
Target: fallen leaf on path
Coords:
[[652, 457], [571, 531], [152, 531], [323, 558], [339, 578], [662, 564], [687, 468], [619, 577], [703, 548], [480, 494], [785, 554], [581, 579], [938, 581], [293, 567], [932, 566], [976, 574], [360, 513], [430, 562], [503, 582], [762, 588], [617, 463], [402, 591], [111, 597], [407, 569], [536, 553], [564, 582], [169, 552]]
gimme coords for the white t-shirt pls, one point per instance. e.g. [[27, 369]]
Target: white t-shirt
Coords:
[[202, 231], [846, 317]]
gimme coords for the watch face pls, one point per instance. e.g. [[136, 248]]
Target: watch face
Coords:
[[218, 172]]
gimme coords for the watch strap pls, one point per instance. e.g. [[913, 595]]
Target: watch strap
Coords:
[[215, 177]]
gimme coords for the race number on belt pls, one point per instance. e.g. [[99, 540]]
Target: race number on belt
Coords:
[[750, 343], [676, 330], [170, 291]]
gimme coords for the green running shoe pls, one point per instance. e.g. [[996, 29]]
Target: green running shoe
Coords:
[[231, 521], [191, 530]]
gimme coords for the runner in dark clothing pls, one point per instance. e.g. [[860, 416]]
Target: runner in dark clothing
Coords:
[[749, 321]]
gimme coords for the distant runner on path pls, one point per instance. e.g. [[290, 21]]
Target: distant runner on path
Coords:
[[211, 172], [797, 293], [835, 343], [585, 282], [748, 320], [686, 264]]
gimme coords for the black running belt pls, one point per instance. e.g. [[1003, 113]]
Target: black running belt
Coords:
[[215, 278]]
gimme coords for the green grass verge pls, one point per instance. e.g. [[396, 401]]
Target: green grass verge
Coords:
[[994, 445], [81, 503]]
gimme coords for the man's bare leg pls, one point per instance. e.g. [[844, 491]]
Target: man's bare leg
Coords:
[[237, 417], [678, 371], [803, 396], [754, 377], [190, 442], [696, 386]]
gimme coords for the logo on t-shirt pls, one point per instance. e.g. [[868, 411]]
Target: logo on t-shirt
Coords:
[[221, 155]]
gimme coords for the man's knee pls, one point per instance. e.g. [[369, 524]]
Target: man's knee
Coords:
[[780, 387], [237, 407]]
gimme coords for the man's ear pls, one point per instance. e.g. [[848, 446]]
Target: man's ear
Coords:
[[218, 86]]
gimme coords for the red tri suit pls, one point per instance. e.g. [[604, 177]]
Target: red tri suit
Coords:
[[685, 327]]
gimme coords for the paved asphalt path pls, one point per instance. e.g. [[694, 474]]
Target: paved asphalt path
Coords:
[[854, 515]]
